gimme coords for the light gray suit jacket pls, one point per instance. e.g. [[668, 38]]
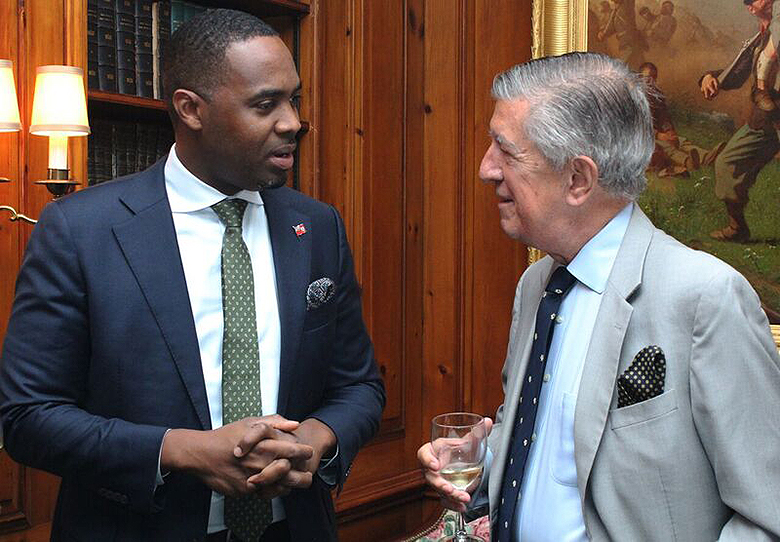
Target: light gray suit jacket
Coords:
[[700, 461]]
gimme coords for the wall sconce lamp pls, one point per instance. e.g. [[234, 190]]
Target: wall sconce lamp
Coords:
[[59, 111], [9, 119]]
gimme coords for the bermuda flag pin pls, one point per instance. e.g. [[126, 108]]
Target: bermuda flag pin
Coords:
[[300, 229]]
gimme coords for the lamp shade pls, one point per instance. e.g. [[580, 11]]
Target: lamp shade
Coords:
[[59, 103], [9, 106]]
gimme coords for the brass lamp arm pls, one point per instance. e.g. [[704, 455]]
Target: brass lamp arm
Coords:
[[17, 216]]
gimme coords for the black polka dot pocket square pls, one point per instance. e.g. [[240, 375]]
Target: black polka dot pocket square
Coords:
[[644, 378], [319, 292]]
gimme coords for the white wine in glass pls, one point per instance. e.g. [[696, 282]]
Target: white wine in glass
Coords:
[[459, 440]]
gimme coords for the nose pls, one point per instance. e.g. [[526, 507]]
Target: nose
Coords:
[[289, 122], [489, 170]]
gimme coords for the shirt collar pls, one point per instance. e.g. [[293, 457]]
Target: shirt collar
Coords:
[[593, 263], [187, 193]]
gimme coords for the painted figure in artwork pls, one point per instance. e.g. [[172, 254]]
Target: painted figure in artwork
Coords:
[[621, 23], [755, 144], [674, 154]]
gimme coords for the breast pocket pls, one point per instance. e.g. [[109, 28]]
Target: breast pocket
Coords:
[[644, 411], [319, 317], [564, 468]]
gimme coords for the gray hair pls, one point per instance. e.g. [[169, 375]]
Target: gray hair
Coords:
[[586, 104]]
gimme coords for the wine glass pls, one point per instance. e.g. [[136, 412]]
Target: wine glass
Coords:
[[459, 440]]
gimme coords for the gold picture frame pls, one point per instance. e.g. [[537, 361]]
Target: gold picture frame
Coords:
[[558, 27]]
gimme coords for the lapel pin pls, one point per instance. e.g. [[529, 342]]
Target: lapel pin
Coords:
[[300, 229]]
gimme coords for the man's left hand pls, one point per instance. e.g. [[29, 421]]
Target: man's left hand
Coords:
[[320, 438]]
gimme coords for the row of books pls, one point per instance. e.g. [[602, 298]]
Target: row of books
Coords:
[[126, 40], [117, 148]]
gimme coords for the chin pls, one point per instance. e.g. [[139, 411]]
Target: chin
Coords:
[[271, 183], [511, 231]]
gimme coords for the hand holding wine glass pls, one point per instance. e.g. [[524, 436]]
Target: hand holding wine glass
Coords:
[[459, 443]]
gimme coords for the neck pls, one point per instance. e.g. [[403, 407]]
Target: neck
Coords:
[[192, 158], [587, 222]]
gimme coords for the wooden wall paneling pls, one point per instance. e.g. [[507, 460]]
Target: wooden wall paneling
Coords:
[[374, 194], [336, 128], [443, 200], [309, 72], [366, 151], [10, 162], [501, 38], [13, 512], [382, 180]]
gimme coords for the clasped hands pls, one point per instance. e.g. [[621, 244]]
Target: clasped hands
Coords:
[[267, 456]]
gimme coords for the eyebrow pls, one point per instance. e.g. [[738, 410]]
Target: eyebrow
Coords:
[[272, 93], [505, 143]]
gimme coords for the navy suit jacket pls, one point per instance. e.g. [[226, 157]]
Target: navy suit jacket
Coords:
[[101, 357]]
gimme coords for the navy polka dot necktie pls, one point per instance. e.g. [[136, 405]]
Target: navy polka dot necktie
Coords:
[[247, 517], [523, 433]]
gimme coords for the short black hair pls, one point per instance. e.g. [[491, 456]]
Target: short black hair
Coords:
[[194, 57]]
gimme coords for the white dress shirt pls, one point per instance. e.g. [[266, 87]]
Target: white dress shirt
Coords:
[[548, 506], [199, 234]]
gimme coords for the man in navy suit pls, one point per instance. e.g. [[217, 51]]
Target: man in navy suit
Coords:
[[112, 365]]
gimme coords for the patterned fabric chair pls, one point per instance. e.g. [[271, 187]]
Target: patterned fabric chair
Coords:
[[445, 526]]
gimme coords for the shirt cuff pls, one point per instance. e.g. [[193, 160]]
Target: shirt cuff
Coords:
[[327, 470], [160, 476]]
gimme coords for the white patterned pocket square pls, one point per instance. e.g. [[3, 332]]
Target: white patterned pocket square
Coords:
[[319, 292]]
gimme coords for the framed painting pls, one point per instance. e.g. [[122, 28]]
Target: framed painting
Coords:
[[714, 179]]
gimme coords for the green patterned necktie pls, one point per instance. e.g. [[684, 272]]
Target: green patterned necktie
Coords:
[[247, 517]]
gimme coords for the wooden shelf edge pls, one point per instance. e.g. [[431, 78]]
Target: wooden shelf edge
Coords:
[[125, 99], [263, 8], [293, 5]]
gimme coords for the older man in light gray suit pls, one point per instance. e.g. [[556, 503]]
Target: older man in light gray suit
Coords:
[[655, 414]]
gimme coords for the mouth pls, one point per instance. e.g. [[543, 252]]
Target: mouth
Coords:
[[504, 201], [283, 157]]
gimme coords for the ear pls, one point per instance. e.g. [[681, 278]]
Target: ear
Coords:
[[583, 180], [189, 108]]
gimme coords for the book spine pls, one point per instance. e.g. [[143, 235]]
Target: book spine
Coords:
[[131, 148], [177, 14], [91, 157], [161, 33], [92, 44], [100, 146], [125, 45], [106, 45], [144, 83], [92, 64]]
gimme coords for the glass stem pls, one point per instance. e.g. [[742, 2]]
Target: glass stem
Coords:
[[460, 531]]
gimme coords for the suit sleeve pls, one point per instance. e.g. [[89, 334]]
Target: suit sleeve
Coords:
[[355, 395], [735, 390], [45, 379]]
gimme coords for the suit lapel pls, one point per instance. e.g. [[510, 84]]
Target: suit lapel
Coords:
[[599, 375], [148, 242], [292, 255], [516, 365]]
